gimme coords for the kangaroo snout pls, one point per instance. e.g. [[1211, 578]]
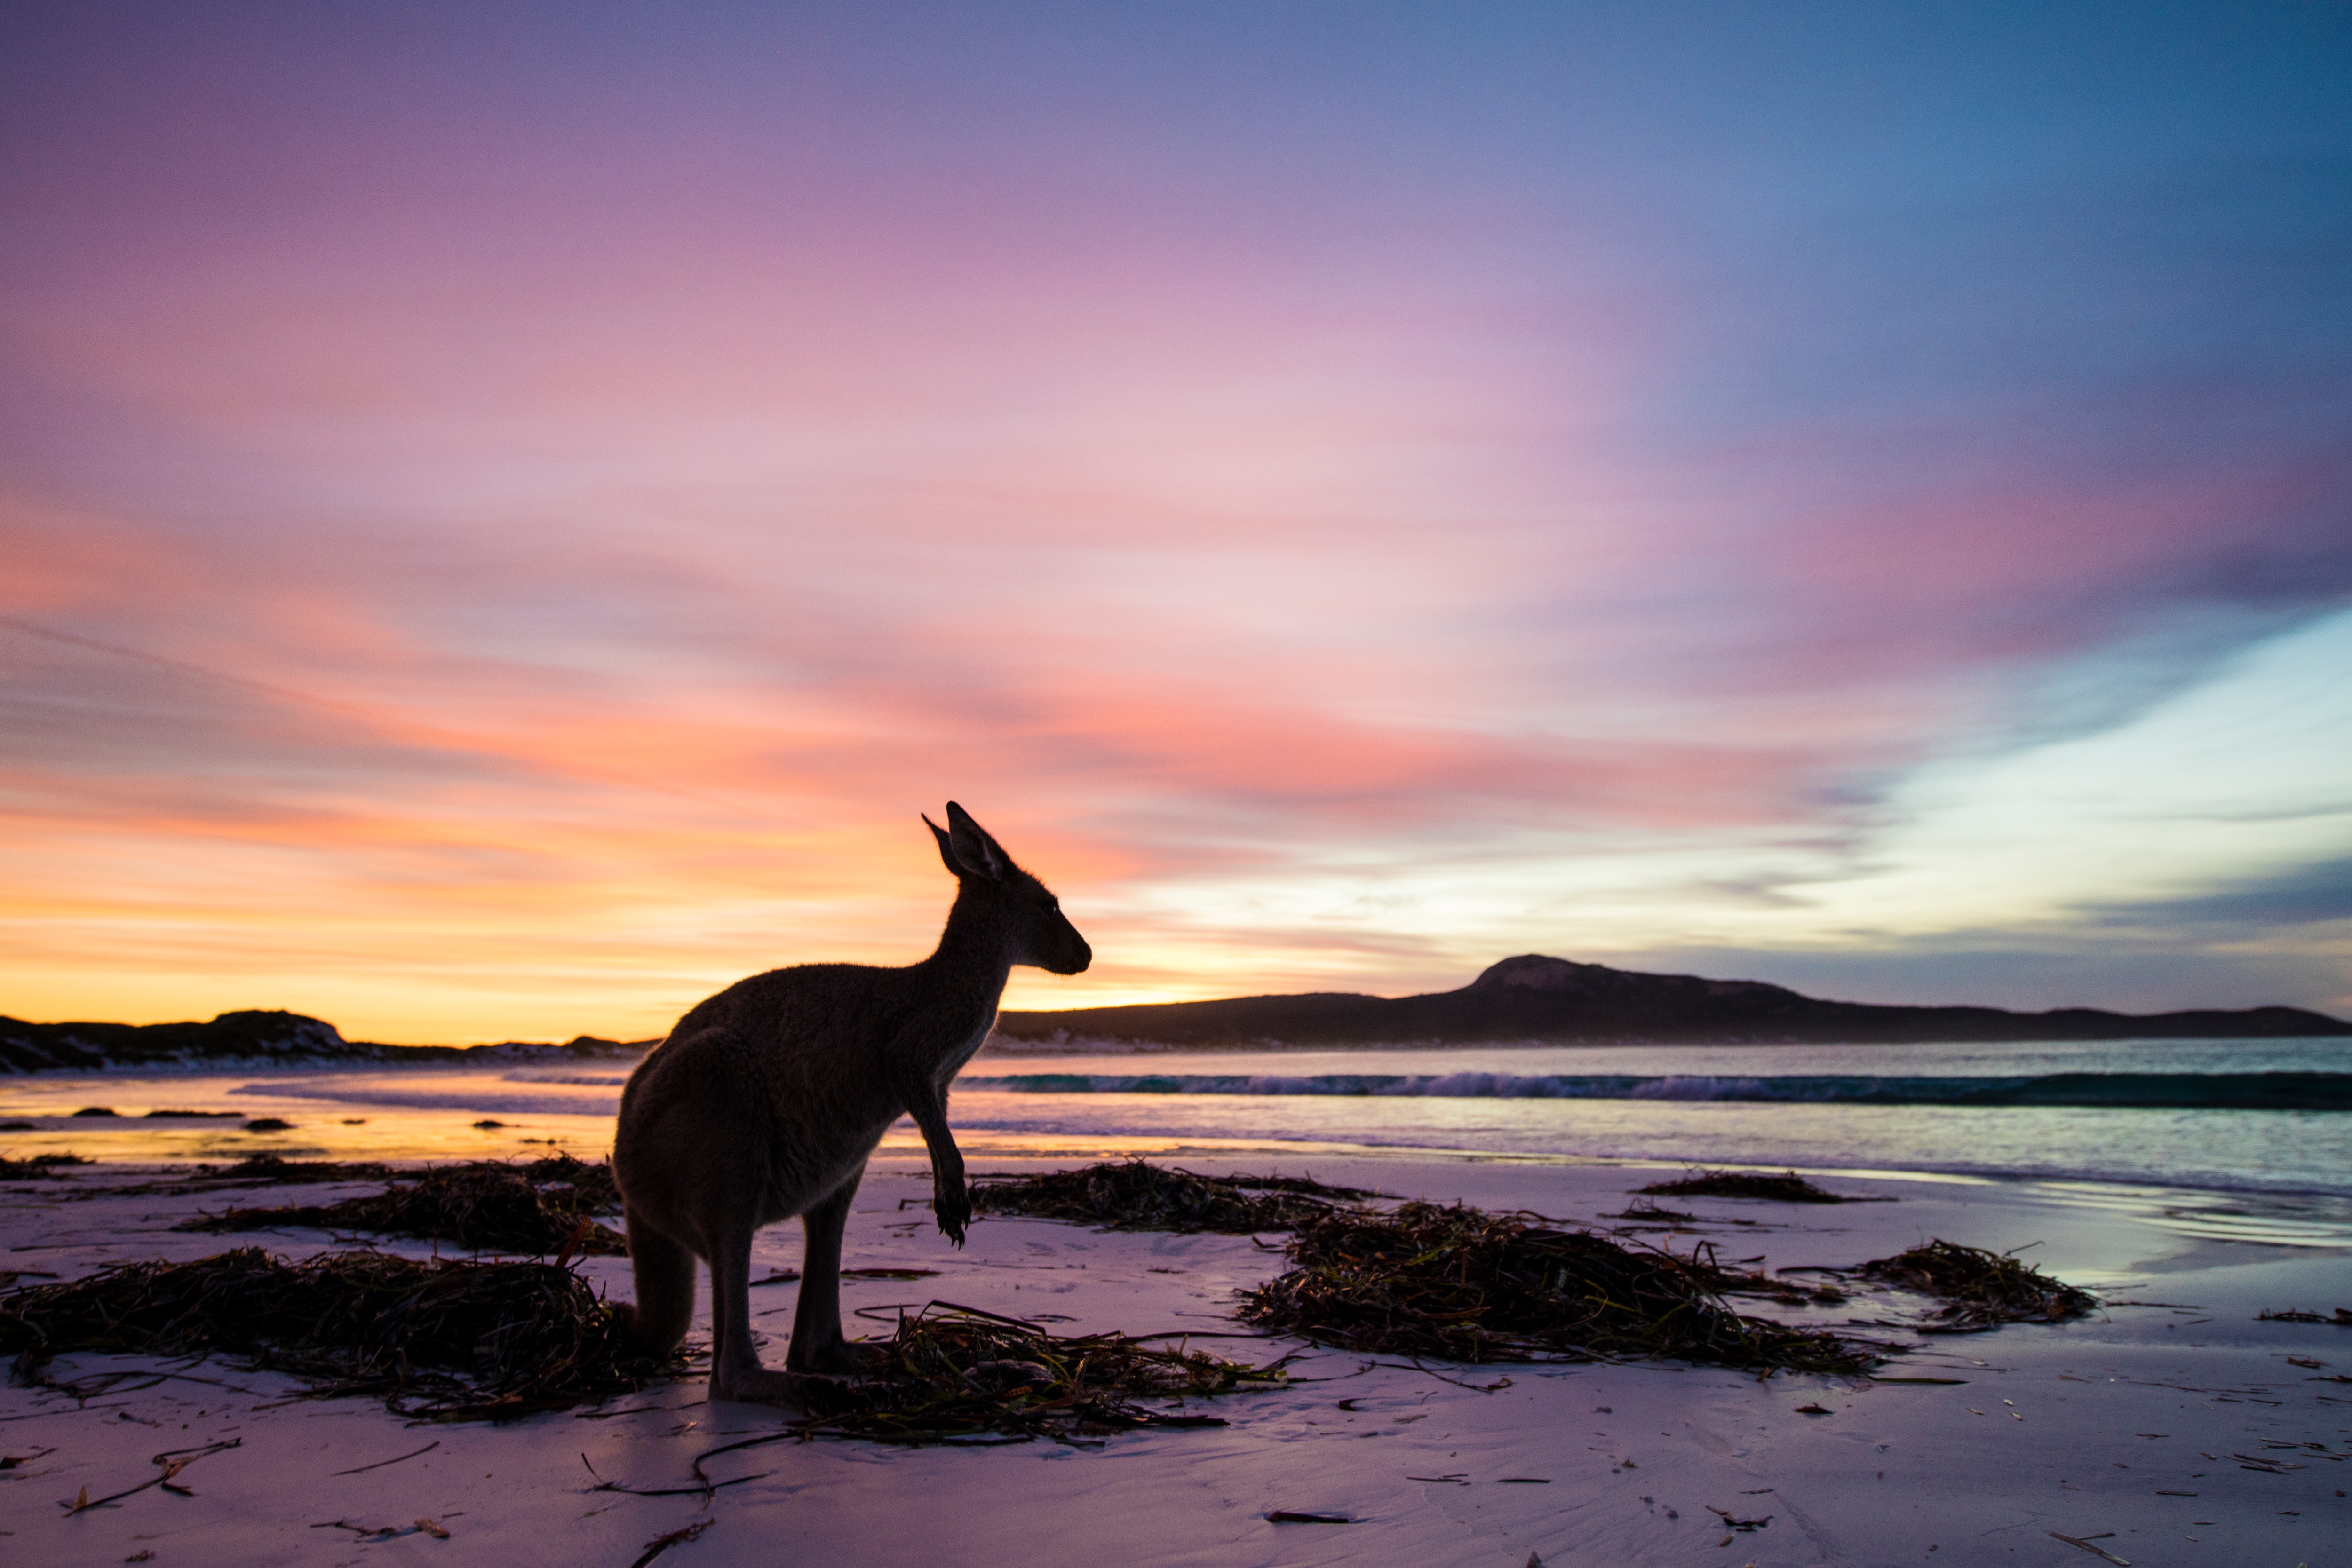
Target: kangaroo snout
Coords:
[[1074, 956]]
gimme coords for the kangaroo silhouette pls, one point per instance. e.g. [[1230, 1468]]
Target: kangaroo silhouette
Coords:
[[765, 1100]]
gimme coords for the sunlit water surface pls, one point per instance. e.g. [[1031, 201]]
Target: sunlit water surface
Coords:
[[411, 1114]]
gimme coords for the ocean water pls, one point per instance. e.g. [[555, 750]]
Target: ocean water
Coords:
[[2176, 1114]]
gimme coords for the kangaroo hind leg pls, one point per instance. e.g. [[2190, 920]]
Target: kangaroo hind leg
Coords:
[[818, 1344], [735, 1369], [664, 1267]]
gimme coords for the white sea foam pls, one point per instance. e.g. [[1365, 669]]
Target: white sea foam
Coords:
[[388, 1090], [1701, 1088], [591, 1080]]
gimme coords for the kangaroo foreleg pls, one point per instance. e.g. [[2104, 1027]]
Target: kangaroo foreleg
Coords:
[[950, 1202]]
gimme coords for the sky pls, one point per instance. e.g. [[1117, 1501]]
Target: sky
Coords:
[[507, 512]]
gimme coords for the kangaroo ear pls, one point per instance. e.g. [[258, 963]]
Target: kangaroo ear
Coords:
[[968, 849], [947, 853]]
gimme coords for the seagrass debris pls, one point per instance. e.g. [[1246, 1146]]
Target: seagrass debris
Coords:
[[541, 1206], [953, 1373], [1459, 1284], [1136, 1195], [1786, 1187], [442, 1341], [38, 1167], [1981, 1290], [254, 1170]]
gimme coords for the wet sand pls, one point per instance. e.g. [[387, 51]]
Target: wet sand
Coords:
[[2170, 1427]]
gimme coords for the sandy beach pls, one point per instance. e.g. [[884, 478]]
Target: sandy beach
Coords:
[[2170, 1427]]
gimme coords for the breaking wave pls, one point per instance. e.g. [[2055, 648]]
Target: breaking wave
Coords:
[[2198, 1091]]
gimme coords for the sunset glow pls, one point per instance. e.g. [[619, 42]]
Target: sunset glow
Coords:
[[509, 518]]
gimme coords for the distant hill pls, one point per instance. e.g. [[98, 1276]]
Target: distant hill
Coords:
[[255, 1039], [1554, 1000], [1531, 998]]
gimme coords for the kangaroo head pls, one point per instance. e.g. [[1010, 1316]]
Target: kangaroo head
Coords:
[[1037, 932]]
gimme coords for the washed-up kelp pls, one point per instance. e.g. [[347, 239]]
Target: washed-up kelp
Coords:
[[445, 1341], [1461, 1284], [38, 1167], [2343, 1319], [1136, 1195], [953, 1373], [487, 1205], [1981, 1290], [1786, 1187], [275, 1170], [254, 1170]]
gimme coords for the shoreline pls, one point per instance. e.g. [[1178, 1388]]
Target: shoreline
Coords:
[[587, 1136]]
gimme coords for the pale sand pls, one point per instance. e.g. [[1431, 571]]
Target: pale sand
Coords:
[[2082, 1428]]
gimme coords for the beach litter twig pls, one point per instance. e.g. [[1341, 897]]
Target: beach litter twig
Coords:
[[362, 1534], [362, 1469], [661, 1544], [1730, 1523], [1460, 1284], [704, 1486], [2084, 1543], [174, 1461], [1136, 1195]]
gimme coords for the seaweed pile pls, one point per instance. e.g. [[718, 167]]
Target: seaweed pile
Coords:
[[1460, 1284], [276, 1170], [254, 1170], [488, 1206], [1981, 1290], [38, 1167], [1136, 1195], [953, 1373], [442, 1341], [1786, 1187]]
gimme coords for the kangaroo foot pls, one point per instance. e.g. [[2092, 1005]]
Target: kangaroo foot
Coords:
[[759, 1386], [633, 1325]]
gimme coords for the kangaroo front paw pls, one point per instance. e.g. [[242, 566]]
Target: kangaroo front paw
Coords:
[[954, 1208]]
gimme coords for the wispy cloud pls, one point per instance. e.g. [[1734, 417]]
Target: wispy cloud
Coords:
[[506, 525]]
